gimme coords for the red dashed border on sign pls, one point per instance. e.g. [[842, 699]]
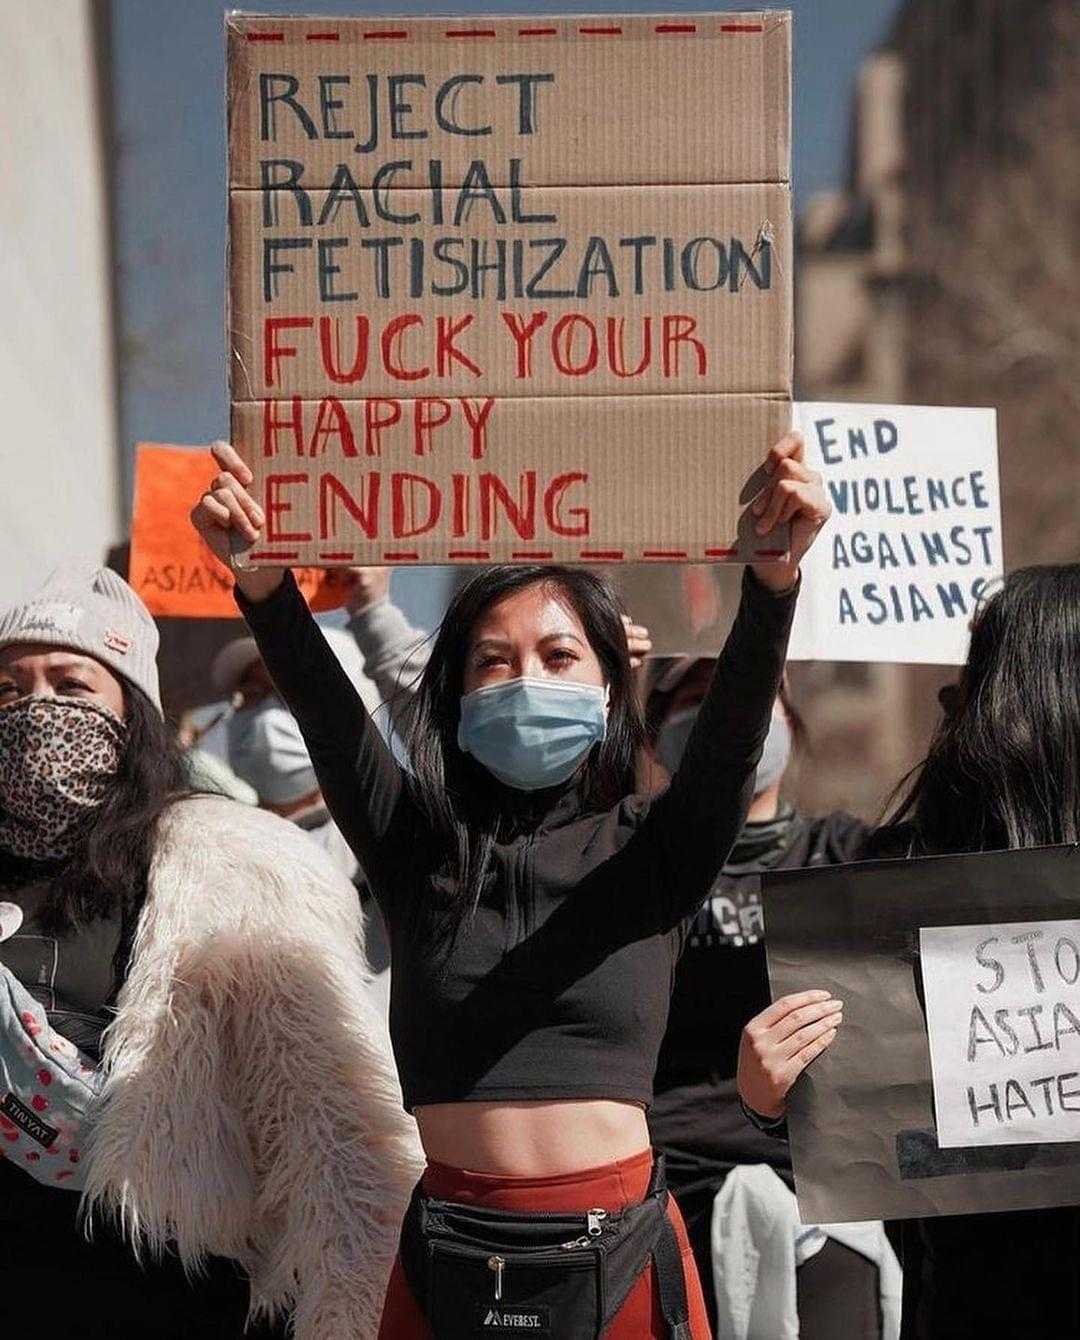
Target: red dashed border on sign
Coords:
[[519, 555], [457, 34], [581, 30]]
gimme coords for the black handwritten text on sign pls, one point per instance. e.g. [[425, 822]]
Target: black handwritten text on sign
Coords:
[[1003, 1012]]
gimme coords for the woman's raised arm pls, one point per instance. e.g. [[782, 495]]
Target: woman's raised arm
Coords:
[[359, 777], [691, 827]]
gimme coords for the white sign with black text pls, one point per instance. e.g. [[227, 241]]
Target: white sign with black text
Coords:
[[1003, 1015]]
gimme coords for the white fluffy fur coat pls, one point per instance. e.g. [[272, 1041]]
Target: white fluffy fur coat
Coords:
[[251, 1107]]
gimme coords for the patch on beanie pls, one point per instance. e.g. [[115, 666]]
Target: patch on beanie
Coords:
[[117, 641], [60, 618]]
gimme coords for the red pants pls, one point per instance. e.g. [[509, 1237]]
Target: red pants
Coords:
[[614, 1187]]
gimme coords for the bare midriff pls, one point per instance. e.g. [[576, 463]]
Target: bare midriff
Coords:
[[532, 1139]]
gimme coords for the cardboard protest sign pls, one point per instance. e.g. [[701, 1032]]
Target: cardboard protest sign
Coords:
[[915, 535], [957, 973], [509, 289], [688, 608], [170, 567]]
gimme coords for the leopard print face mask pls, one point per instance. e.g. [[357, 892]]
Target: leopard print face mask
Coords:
[[58, 757]]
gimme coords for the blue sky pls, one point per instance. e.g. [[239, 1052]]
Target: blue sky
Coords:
[[168, 101]]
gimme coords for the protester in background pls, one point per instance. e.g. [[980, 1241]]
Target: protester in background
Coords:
[[240, 1103], [383, 656], [207, 772], [536, 909], [265, 747], [1003, 771], [697, 1119]]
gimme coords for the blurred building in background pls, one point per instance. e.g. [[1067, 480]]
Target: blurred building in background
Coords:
[[60, 452], [949, 273]]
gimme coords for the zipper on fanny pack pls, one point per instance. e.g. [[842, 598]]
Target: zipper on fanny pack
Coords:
[[483, 1212], [498, 1265], [594, 1226]]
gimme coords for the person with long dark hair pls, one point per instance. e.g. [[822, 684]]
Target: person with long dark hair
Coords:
[[181, 983], [87, 767], [536, 908], [1002, 771]]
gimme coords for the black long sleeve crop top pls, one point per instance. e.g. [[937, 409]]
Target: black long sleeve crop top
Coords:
[[559, 986]]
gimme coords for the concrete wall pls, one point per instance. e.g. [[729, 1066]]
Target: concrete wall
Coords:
[[59, 478]]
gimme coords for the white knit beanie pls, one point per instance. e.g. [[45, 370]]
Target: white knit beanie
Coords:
[[92, 610]]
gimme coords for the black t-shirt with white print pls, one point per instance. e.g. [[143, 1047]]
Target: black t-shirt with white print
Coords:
[[721, 982]]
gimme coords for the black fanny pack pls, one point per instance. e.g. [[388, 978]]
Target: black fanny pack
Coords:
[[478, 1272]]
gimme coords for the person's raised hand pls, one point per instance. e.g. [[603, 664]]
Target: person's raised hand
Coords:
[[793, 496], [779, 1043], [230, 520], [366, 587], [638, 641]]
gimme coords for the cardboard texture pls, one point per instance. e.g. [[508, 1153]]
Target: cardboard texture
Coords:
[[170, 567], [567, 478], [610, 101], [577, 282], [688, 609], [870, 1138], [488, 260]]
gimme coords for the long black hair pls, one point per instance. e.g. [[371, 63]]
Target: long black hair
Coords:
[[106, 874], [468, 808], [1003, 769]]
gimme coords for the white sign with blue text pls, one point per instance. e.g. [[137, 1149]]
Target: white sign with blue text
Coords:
[[915, 534]]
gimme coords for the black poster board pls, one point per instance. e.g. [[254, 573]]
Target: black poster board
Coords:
[[862, 1121]]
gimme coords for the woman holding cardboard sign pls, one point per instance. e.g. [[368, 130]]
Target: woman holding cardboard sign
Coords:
[[536, 909]]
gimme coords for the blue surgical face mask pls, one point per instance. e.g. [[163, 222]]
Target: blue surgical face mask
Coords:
[[532, 733]]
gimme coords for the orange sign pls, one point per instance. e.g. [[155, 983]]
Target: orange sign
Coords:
[[171, 567]]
